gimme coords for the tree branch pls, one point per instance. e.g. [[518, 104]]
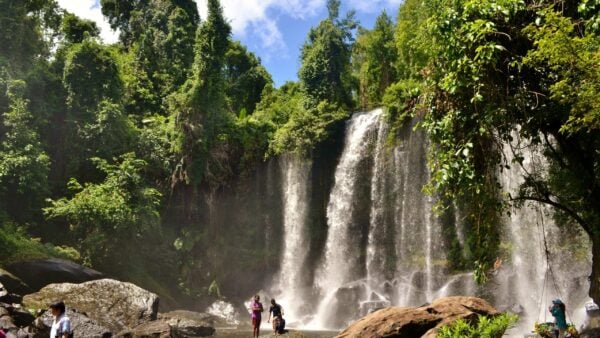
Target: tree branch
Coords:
[[559, 206]]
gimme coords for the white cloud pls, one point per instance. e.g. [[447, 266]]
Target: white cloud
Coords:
[[374, 6], [260, 17], [90, 9]]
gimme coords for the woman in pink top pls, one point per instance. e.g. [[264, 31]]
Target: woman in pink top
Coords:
[[257, 308]]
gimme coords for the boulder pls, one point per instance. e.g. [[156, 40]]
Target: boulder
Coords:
[[41, 272], [13, 284], [190, 324], [424, 321], [153, 329], [112, 304], [82, 326], [179, 326]]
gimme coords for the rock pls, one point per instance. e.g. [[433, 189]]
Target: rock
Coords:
[[591, 333], [82, 326], [347, 304], [190, 324], [13, 283], [207, 318], [41, 272], [113, 304], [154, 329], [177, 324], [10, 298], [21, 317], [6, 322], [423, 321]]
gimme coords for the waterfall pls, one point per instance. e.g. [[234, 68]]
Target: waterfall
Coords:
[[291, 281], [377, 226], [418, 232], [386, 246], [343, 247], [527, 283]]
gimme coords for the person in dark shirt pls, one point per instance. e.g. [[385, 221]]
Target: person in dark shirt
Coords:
[[276, 311]]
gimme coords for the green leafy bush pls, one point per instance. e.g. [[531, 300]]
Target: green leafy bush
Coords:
[[485, 327], [16, 245]]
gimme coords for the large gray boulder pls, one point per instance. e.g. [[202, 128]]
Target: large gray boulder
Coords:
[[112, 304], [41, 272], [13, 284]]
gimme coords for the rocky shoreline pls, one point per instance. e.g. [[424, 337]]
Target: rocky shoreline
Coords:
[[100, 307]]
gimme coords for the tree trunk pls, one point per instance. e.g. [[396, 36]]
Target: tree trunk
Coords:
[[595, 277]]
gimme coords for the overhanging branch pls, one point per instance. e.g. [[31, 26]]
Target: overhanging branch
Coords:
[[559, 206]]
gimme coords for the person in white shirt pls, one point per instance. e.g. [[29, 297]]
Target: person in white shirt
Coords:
[[61, 326]]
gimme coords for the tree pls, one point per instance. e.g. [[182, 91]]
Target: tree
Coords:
[[501, 69], [245, 79], [76, 29], [24, 165], [325, 70], [159, 38], [199, 106], [26, 27], [326, 86], [90, 76], [375, 55]]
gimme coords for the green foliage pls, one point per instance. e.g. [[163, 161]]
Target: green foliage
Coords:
[[375, 54], [23, 25], [199, 107], [399, 100], [110, 134], [572, 59], [245, 79], [17, 245], [325, 71], [485, 327], [90, 76], [159, 38], [110, 216], [76, 29], [306, 128], [413, 43], [24, 165]]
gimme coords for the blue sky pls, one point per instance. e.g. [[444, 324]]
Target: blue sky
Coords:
[[273, 29]]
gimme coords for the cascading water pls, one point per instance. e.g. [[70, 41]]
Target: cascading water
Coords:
[[529, 282], [291, 282], [385, 245], [342, 251]]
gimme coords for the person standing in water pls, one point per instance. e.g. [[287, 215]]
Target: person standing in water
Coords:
[[277, 311], [558, 311], [257, 309]]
